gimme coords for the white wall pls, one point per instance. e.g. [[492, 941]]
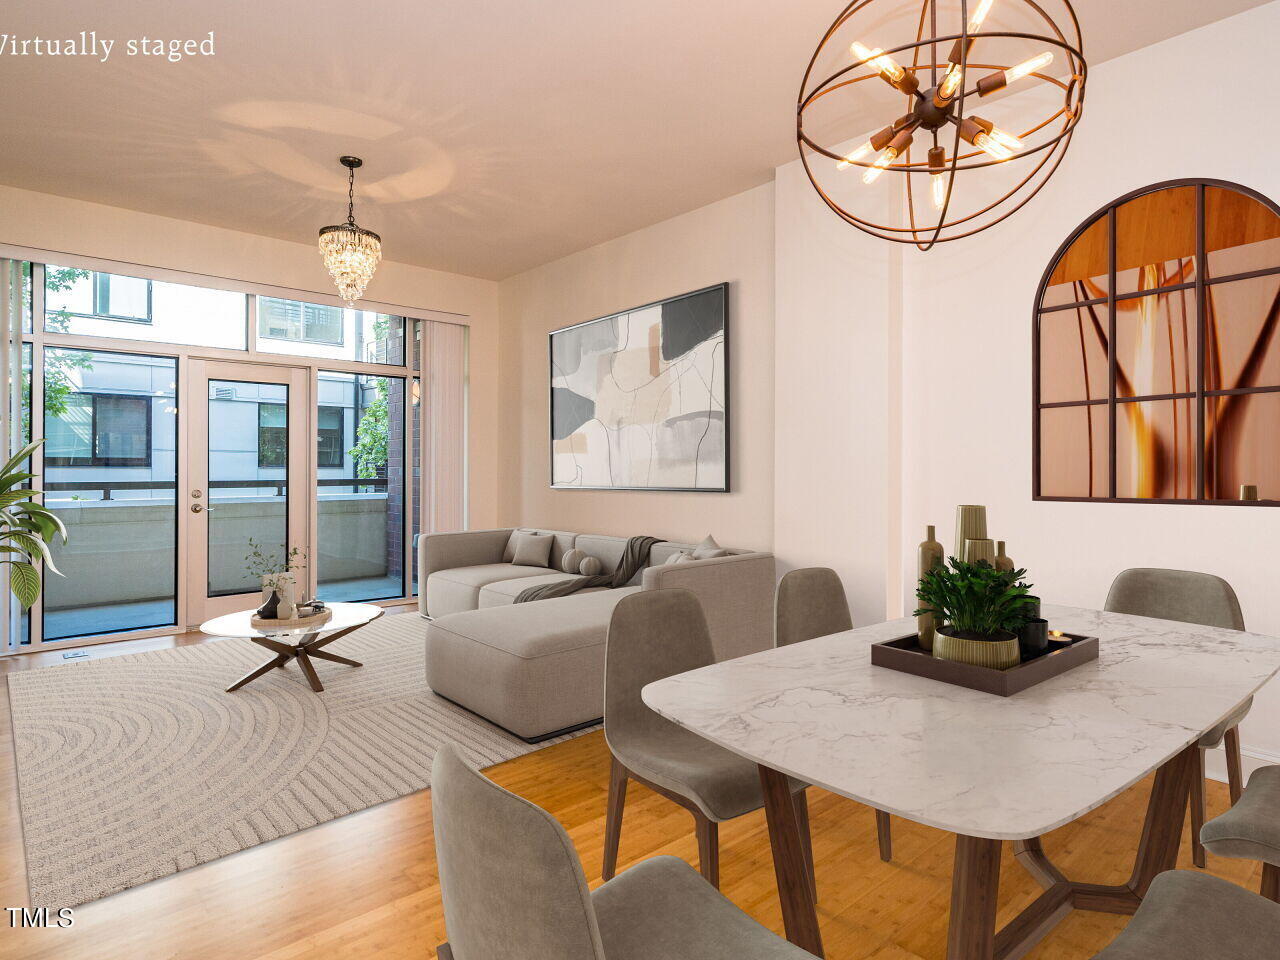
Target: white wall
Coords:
[[968, 309], [731, 240]]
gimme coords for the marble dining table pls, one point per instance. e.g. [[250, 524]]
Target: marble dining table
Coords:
[[986, 768]]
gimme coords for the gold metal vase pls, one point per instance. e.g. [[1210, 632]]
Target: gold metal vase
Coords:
[[998, 654]]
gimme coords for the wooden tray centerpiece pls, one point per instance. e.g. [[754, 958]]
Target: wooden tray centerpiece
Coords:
[[978, 625], [1066, 651], [313, 621]]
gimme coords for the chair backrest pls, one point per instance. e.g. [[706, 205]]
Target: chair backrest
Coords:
[[653, 634], [810, 603], [511, 882], [1180, 595]]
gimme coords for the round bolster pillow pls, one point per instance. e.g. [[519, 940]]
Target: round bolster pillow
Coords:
[[572, 560]]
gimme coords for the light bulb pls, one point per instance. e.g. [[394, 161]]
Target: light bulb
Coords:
[[991, 147], [854, 156], [939, 184], [889, 68], [950, 83], [886, 157], [979, 14], [1007, 140], [1028, 66]]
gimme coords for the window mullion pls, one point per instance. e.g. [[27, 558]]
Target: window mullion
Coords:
[[1112, 357], [1201, 262]]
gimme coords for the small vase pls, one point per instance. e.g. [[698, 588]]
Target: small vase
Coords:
[[1033, 638], [999, 653], [1002, 560], [930, 556], [270, 609], [971, 524], [979, 550]]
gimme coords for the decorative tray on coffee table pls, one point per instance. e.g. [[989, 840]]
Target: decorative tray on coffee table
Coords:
[[297, 623], [1066, 651]]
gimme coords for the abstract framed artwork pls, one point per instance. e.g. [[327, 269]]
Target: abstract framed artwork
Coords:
[[639, 400], [1156, 353]]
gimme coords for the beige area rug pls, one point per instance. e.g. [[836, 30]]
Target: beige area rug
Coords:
[[135, 767]]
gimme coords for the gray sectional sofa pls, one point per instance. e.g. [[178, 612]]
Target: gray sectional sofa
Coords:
[[537, 669]]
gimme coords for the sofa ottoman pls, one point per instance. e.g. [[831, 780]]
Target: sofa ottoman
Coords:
[[534, 669]]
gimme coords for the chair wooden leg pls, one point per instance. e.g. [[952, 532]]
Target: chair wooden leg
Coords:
[[443, 952], [708, 848], [884, 833], [1270, 882], [1197, 810], [806, 838], [613, 818], [1235, 774]]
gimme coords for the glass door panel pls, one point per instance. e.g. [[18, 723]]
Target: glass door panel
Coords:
[[248, 498], [360, 551], [248, 463], [110, 472]]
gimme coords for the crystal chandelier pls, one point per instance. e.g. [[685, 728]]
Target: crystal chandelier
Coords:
[[351, 252]]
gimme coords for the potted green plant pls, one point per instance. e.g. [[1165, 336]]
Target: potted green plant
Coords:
[[26, 529], [978, 611], [276, 569]]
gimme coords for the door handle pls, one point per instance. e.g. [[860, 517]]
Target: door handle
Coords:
[[197, 508]]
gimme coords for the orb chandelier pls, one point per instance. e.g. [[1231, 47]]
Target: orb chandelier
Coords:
[[951, 58], [350, 252]]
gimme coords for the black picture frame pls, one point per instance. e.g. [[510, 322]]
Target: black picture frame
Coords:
[[725, 487]]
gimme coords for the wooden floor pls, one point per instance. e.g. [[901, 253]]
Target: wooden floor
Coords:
[[365, 886]]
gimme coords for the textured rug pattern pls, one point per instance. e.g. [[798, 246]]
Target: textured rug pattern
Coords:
[[135, 767]]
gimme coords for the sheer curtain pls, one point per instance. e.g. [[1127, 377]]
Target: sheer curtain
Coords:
[[444, 426]]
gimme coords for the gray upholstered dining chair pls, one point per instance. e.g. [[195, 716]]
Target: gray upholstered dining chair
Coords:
[[1189, 597], [1250, 830], [810, 603], [1192, 916], [656, 634], [513, 887]]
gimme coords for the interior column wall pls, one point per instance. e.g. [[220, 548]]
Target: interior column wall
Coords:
[[968, 328]]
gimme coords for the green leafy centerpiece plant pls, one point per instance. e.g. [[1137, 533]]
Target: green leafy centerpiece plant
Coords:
[[978, 611], [26, 529]]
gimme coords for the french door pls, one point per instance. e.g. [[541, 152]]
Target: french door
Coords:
[[249, 453]]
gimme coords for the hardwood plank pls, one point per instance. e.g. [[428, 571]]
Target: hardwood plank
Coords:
[[372, 891]]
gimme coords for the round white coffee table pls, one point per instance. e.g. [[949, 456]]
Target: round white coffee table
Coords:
[[298, 644]]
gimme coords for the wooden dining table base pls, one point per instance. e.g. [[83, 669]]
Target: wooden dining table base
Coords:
[[975, 878]]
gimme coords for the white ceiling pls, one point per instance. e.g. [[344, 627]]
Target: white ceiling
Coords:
[[497, 134]]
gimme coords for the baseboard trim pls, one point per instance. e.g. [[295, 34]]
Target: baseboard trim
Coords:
[[1215, 762]]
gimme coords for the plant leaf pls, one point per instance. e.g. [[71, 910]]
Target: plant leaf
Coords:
[[18, 457], [24, 581]]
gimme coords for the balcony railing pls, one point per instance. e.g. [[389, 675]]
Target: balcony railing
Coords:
[[108, 486]]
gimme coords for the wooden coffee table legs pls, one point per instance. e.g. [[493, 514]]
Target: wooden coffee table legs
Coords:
[[310, 646], [976, 877]]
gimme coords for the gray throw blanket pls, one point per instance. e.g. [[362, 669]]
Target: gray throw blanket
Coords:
[[634, 557]]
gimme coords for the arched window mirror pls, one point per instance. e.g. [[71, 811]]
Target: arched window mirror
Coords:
[[1156, 351]]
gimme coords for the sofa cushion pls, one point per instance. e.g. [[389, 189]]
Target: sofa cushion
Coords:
[[663, 552], [563, 543], [458, 589], [571, 562], [505, 591], [532, 668], [608, 550], [531, 549]]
